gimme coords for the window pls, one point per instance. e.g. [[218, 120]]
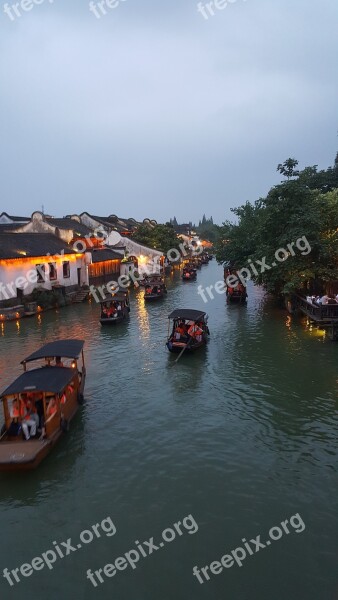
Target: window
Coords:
[[52, 271], [40, 272], [66, 269]]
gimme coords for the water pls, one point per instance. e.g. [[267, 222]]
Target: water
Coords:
[[241, 436]]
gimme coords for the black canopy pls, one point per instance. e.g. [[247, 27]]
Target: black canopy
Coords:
[[119, 297], [43, 379], [62, 348], [187, 313]]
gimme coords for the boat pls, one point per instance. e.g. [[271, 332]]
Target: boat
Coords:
[[154, 290], [115, 308], [151, 277], [183, 320], [237, 293], [52, 394], [189, 273], [205, 259]]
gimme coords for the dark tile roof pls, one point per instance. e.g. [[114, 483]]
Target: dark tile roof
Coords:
[[9, 227], [19, 245], [104, 254], [70, 224], [19, 219]]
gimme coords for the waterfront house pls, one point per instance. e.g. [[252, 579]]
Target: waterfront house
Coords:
[[38, 260]]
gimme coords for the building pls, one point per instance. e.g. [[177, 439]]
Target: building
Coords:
[[67, 229], [38, 260], [6, 219], [142, 257], [105, 265]]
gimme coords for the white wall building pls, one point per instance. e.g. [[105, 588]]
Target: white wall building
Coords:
[[38, 260]]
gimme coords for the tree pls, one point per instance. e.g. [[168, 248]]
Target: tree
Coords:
[[288, 168], [292, 210], [159, 237]]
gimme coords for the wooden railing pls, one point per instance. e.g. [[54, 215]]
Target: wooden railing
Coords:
[[325, 312]]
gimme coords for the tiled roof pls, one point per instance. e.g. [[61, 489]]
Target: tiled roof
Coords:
[[19, 245], [70, 224], [105, 254]]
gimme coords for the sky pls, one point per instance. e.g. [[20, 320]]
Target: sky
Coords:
[[157, 109]]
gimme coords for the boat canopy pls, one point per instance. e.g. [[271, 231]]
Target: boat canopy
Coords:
[[118, 297], [62, 348], [187, 313], [43, 379]]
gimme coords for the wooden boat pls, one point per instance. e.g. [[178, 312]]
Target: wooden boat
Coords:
[[53, 392], [151, 277], [154, 291], [115, 308], [235, 294], [189, 273], [184, 320]]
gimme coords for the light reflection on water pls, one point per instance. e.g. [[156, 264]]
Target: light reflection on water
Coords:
[[241, 435]]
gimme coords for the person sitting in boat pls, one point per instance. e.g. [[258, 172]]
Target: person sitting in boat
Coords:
[[31, 413], [148, 290], [58, 362], [180, 331], [15, 413], [20, 416], [195, 332], [62, 398]]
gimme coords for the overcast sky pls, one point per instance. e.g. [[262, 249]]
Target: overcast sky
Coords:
[[154, 111]]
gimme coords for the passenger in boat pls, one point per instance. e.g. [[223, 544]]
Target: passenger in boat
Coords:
[[195, 332], [20, 415], [62, 398], [15, 414], [31, 414], [148, 290], [58, 362], [180, 331]]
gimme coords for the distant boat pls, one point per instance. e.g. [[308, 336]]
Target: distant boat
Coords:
[[189, 273], [189, 330], [154, 291], [115, 308], [43, 400]]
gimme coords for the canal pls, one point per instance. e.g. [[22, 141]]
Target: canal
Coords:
[[241, 436]]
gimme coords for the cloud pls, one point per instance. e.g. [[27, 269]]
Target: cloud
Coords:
[[154, 108]]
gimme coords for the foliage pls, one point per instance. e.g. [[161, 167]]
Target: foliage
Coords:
[[207, 230], [160, 237], [304, 206]]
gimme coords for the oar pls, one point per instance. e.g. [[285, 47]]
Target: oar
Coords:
[[184, 349]]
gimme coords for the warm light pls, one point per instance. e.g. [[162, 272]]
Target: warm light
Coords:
[[73, 365], [38, 308]]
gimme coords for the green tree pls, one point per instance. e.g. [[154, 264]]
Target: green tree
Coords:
[[159, 237], [290, 211]]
